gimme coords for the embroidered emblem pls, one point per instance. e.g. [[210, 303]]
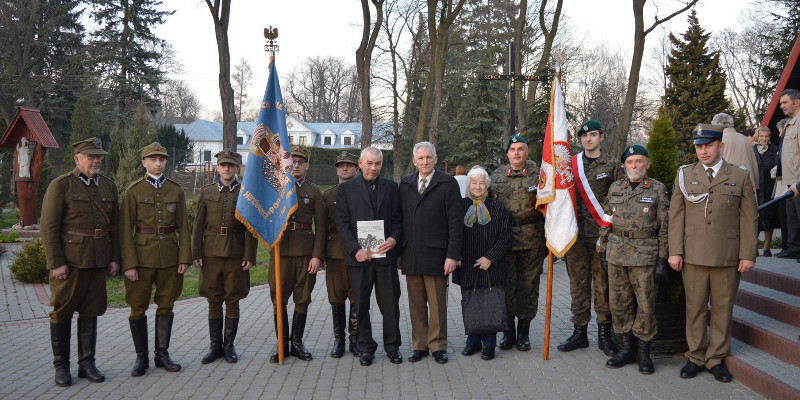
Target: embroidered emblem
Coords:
[[513, 140], [306, 200], [586, 127], [601, 176], [646, 200], [630, 150], [694, 183], [731, 184], [532, 189], [171, 207]]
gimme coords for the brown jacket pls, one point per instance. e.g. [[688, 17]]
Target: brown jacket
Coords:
[[70, 205], [299, 241], [721, 231], [217, 232], [146, 207]]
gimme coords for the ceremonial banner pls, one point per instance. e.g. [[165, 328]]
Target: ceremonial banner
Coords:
[[268, 194], [556, 196]]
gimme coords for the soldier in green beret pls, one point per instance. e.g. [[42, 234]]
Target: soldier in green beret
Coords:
[[302, 252], [636, 248], [155, 244], [79, 223], [336, 278], [224, 250], [588, 280], [515, 185]]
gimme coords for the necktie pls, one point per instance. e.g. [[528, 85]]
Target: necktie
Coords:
[[422, 185], [710, 172]]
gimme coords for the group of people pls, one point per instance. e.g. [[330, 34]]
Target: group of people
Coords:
[[485, 233]]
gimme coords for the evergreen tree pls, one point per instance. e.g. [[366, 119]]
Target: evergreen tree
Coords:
[[663, 150], [126, 145], [81, 124], [479, 126], [177, 144], [779, 42], [695, 85]]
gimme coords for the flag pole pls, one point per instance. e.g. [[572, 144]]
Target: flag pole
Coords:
[[548, 306], [279, 299]]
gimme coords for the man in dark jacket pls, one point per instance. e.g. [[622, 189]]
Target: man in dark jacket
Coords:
[[430, 249], [368, 197]]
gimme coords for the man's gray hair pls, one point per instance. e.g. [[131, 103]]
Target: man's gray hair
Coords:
[[722, 119], [478, 171], [793, 94], [372, 150], [782, 124], [424, 145]]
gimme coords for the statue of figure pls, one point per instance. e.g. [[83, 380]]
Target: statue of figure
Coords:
[[24, 156]]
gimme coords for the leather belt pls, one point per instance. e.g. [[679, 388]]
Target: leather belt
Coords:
[[525, 221], [634, 234], [92, 233], [294, 226], [224, 230], [160, 230]]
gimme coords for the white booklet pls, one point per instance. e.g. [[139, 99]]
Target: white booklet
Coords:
[[370, 236]]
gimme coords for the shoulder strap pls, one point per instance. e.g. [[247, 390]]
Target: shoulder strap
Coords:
[[592, 204]]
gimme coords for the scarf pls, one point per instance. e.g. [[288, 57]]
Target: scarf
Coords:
[[477, 212], [762, 149]]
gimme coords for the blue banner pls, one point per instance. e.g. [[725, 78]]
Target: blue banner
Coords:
[[268, 194]]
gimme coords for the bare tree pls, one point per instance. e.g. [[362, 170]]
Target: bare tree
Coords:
[[640, 33], [242, 75], [369, 35], [547, 48], [323, 89], [179, 103], [221, 13]]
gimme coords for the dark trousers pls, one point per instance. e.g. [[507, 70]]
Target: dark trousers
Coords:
[[793, 225], [387, 294], [784, 228], [487, 340]]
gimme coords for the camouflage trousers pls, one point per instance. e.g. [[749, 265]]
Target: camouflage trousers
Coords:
[[583, 268], [522, 290], [633, 299]]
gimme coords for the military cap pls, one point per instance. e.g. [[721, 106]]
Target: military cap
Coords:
[[515, 139], [635, 150], [153, 149], [228, 156], [346, 157], [89, 146], [300, 152], [590, 125], [707, 133]]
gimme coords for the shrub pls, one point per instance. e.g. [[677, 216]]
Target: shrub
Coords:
[[29, 263], [10, 237]]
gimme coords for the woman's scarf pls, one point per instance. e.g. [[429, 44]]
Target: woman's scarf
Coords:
[[762, 149], [477, 212]]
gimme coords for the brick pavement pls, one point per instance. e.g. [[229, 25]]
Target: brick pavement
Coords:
[[26, 369]]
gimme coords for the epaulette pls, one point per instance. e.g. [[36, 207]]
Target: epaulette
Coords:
[[646, 183], [62, 176], [311, 183], [686, 166], [134, 182], [331, 188]]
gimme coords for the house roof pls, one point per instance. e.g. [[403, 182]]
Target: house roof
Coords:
[[33, 119], [790, 79]]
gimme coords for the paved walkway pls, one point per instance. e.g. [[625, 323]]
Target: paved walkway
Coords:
[[26, 369]]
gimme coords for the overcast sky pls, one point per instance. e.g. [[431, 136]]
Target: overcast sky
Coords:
[[309, 28]]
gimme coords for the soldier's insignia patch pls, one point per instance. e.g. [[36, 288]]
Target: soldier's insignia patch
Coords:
[[695, 183], [743, 167], [646, 200], [731, 184], [646, 209], [513, 140], [96, 143], [171, 207], [730, 202], [306, 200], [601, 176], [532, 189], [630, 150], [344, 153], [586, 127]]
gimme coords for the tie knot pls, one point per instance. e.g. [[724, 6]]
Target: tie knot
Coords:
[[710, 172]]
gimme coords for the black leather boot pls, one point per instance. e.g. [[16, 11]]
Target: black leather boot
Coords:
[[59, 339], [296, 347], [231, 327], [339, 321], [139, 333], [604, 340], [510, 336], [87, 342], [645, 363], [274, 357], [353, 331], [215, 348], [625, 355], [523, 334], [163, 333], [578, 340]]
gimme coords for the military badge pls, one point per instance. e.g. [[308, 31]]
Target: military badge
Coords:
[[601, 176], [646, 200], [171, 207], [646, 209], [97, 144], [306, 200]]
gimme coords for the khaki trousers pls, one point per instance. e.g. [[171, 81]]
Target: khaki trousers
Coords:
[[428, 293]]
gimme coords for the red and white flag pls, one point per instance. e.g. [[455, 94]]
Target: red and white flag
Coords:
[[556, 196]]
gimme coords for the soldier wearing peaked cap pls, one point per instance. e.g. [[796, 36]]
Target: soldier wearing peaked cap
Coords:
[[336, 277], [712, 241], [155, 244], [224, 250], [636, 250], [302, 252], [80, 217]]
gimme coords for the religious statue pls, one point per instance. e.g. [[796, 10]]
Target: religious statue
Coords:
[[25, 151]]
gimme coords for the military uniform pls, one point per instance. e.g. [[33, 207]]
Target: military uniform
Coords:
[[154, 239], [516, 190], [80, 217], [336, 278], [712, 225], [222, 243], [298, 245]]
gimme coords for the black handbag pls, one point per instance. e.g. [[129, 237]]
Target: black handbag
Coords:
[[484, 310]]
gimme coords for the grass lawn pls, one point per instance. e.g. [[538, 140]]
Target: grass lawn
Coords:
[[8, 219]]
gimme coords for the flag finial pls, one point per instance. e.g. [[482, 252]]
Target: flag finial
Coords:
[[271, 34]]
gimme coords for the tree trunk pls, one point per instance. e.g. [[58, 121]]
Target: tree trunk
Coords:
[[220, 12], [547, 49], [518, 39], [369, 34]]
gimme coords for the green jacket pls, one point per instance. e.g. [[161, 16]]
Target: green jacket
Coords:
[[310, 211], [217, 232], [517, 192]]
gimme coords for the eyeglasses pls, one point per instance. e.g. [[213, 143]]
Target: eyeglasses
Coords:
[[299, 162]]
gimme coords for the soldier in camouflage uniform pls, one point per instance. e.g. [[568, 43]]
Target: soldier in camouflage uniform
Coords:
[[515, 185], [302, 252], [336, 277], [636, 250], [583, 263]]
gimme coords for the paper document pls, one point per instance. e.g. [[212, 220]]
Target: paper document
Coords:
[[370, 236]]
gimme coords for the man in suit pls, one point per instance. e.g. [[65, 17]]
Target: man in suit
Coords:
[[368, 197], [433, 215], [712, 241], [789, 167]]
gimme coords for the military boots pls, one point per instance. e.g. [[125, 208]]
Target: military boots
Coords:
[[509, 336], [231, 327], [296, 347], [523, 334], [87, 342], [285, 328], [215, 333], [163, 333], [59, 339], [578, 340], [625, 355], [139, 333], [353, 331], [604, 340], [645, 363], [339, 322]]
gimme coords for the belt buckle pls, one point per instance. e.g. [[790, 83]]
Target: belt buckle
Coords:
[[97, 234], [160, 230], [628, 234], [223, 231], [292, 226]]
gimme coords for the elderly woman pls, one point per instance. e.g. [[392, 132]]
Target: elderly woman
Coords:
[[486, 240], [767, 159]]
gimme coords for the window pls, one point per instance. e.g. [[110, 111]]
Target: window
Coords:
[[347, 141], [240, 140], [291, 140], [206, 155], [302, 140], [327, 140]]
